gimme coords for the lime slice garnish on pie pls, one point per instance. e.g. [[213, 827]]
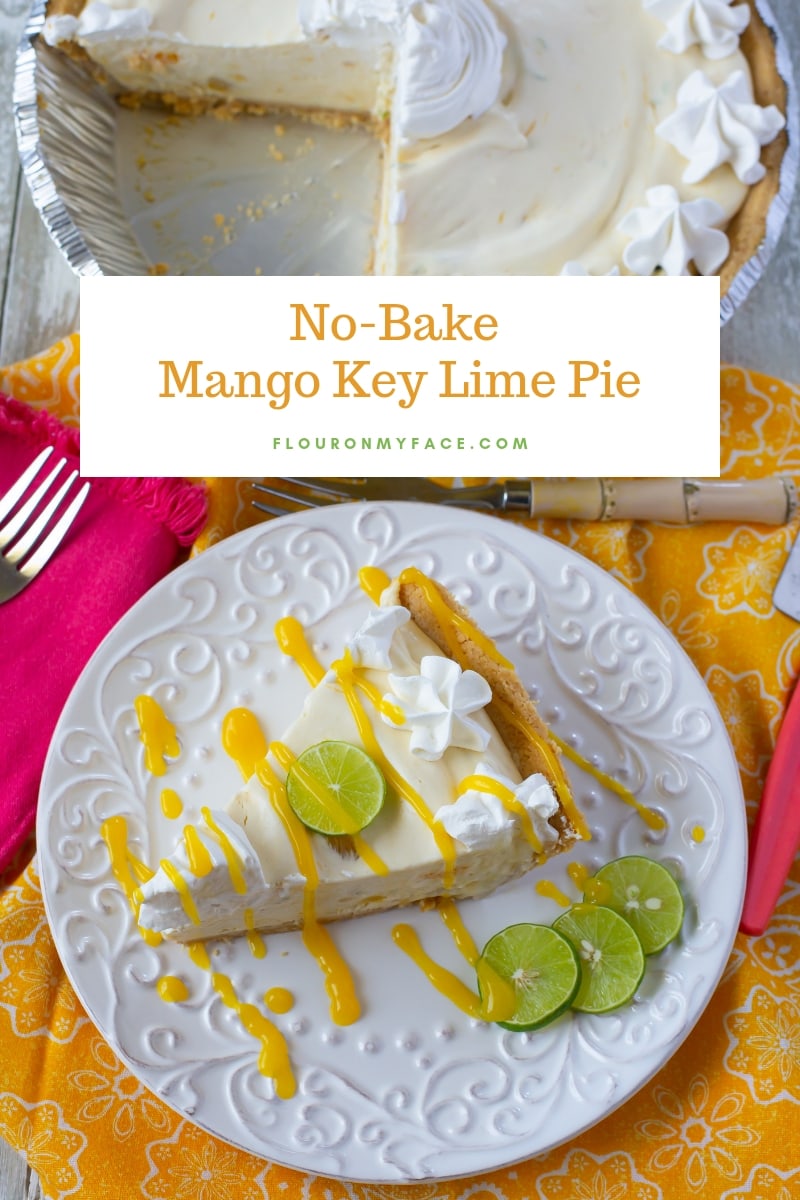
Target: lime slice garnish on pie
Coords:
[[541, 966], [335, 788], [610, 953], [645, 894]]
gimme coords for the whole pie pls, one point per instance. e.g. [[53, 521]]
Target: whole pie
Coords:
[[555, 137]]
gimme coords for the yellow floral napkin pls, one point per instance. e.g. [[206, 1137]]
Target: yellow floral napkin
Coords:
[[721, 1121]]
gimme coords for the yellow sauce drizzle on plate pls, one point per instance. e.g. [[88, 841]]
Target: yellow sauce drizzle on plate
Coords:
[[171, 804], [551, 891], [172, 989], [157, 734], [698, 834], [652, 819], [292, 641], [273, 1058], [595, 891], [498, 996], [279, 1000], [498, 1000], [373, 582]]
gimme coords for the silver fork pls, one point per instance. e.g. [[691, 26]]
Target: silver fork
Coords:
[[33, 526], [514, 496]]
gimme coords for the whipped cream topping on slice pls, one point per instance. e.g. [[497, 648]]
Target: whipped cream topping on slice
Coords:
[[162, 907], [713, 25], [437, 704], [713, 125], [371, 645], [450, 66], [476, 818], [670, 233]]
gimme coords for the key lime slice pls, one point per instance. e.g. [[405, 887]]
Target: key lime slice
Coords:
[[335, 788], [610, 953], [542, 967], [645, 894]]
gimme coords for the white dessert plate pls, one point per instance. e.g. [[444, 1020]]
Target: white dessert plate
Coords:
[[414, 1089]]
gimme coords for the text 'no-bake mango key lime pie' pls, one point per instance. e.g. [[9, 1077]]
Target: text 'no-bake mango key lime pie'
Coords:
[[417, 772], [518, 137]]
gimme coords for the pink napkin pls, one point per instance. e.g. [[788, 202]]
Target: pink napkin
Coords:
[[126, 537]]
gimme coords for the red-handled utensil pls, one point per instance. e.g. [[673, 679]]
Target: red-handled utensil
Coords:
[[776, 834]]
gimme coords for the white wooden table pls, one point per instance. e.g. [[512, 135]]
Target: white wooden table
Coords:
[[39, 303]]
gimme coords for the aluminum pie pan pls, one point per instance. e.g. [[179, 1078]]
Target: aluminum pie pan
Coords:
[[67, 134]]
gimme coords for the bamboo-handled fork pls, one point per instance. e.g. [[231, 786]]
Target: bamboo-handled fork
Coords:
[[34, 523], [771, 501]]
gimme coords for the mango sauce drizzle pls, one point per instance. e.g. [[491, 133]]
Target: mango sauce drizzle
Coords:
[[273, 1058], [373, 582], [232, 859], [651, 818], [182, 888], [200, 861], [258, 947], [171, 804], [484, 783], [157, 734], [244, 740], [451, 622], [498, 1001], [279, 1000], [291, 638], [595, 891], [551, 891], [128, 870], [172, 989], [498, 996]]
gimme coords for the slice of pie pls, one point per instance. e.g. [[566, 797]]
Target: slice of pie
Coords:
[[476, 795]]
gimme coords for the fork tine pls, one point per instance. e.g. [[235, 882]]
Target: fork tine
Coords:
[[21, 517], [329, 487], [30, 536], [303, 501], [48, 547], [18, 489]]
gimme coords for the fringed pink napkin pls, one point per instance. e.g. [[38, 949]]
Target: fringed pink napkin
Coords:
[[127, 536]]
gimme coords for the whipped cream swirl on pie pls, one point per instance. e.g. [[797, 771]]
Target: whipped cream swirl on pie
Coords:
[[437, 705], [669, 233], [716, 125], [714, 25]]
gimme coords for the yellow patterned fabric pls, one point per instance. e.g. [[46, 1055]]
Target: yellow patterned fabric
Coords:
[[720, 1121]]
